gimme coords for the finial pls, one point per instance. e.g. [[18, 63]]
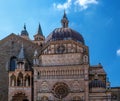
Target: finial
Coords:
[[64, 16], [24, 26], [64, 20]]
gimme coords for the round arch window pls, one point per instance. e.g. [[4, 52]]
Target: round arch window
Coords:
[[60, 90]]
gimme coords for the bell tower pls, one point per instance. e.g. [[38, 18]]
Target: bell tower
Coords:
[[20, 79], [39, 37]]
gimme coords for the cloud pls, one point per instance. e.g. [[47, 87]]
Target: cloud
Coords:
[[79, 4], [118, 52], [65, 5], [84, 4]]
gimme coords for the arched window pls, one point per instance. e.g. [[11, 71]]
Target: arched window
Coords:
[[13, 63], [38, 75], [27, 80], [20, 79], [20, 96], [13, 80]]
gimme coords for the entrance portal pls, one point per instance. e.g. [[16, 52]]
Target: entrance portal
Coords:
[[19, 97]]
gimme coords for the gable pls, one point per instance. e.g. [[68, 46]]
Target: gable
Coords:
[[12, 44], [69, 46], [9, 47]]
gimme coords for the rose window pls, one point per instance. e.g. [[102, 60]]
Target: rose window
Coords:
[[60, 90]]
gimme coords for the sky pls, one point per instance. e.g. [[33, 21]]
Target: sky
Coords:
[[96, 20]]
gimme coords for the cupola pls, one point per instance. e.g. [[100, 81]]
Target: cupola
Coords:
[[65, 33], [24, 33]]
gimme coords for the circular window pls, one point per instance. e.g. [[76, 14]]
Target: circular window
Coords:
[[60, 90]]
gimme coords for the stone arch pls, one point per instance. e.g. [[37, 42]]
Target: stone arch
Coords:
[[19, 91], [13, 63], [38, 74], [19, 96], [20, 79], [13, 80], [27, 80]]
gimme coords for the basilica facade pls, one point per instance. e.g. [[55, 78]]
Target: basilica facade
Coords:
[[56, 68]]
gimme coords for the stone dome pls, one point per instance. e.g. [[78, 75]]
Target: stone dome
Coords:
[[97, 84], [65, 33]]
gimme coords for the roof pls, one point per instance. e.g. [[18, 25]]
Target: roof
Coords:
[[65, 34], [97, 83], [96, 69]]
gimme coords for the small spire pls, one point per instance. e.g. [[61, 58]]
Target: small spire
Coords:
[[64, 20], [64, 16], [40, 30], [21, 54]]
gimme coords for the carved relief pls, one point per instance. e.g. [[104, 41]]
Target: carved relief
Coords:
[[44, 86], [76, 86]]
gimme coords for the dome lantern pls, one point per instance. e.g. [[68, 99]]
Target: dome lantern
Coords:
[[65, 33], [24, 33], [64, 20]]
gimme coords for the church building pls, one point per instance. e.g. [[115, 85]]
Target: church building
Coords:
[[55, 68]]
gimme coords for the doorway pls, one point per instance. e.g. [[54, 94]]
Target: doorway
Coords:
[[19, 97]]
